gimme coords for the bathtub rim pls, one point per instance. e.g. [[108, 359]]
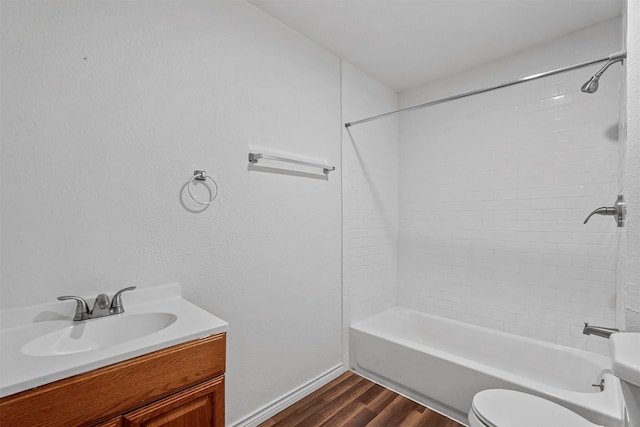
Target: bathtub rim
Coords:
[[361, 326]]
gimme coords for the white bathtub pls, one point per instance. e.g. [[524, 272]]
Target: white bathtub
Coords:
[[443, 363]]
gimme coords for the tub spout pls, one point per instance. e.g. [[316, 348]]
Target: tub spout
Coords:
[[598, 330]]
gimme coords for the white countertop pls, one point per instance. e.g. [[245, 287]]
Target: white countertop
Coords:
[[18, 327]]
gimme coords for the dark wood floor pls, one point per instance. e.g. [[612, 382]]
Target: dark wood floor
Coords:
[[353, 401]]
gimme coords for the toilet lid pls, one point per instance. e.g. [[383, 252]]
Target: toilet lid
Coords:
[[507, 408]]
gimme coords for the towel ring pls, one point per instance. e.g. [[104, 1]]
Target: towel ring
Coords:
[[202, 176]]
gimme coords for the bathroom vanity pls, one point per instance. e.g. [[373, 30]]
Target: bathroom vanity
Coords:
[[181, 383], [57, 373]]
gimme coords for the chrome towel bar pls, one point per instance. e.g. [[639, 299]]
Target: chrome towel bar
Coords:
[[254, 157]]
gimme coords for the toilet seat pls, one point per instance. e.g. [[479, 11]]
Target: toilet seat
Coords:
[[508, 408]]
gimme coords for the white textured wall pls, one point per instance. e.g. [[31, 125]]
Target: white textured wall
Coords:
[[370, 198], [632, 169], [494, 189], [108, 107]]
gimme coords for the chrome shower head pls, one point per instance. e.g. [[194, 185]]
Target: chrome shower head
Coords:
[[592, 85]]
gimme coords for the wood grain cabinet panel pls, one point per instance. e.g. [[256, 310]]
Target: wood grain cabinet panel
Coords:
[[106, 393], [113, 422], [202, 406]]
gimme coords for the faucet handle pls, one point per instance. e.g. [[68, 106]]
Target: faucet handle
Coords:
[[82, 308], [601, 211], [116, 301]]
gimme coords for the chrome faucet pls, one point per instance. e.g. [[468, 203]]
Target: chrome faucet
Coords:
[[598, 330], [101, 306]]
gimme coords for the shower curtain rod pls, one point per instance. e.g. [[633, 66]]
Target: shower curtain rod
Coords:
[[614, 56]]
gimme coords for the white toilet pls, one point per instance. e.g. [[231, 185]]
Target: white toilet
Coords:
[[508, 408]]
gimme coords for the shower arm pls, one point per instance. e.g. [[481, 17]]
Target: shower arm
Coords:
[[613, 58], [607, 65]]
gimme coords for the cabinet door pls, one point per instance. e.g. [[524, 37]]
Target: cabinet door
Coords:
[[113, 422], [201, 405]]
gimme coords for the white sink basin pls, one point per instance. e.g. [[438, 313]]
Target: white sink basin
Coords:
[[625, 356], [98, 333], [40, 344]]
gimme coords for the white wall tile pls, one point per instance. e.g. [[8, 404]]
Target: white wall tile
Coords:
[[629, 249], [493, 190], [370, 199]]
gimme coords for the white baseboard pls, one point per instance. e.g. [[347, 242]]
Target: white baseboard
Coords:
[[270, 409]]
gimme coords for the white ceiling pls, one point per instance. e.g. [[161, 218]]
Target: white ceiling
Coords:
[[406, 43]]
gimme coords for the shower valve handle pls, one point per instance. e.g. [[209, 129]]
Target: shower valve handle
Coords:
[[618, 210], [601, 211]]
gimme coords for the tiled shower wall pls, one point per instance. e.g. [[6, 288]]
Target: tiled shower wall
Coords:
[[632, 173], [621, 267], [493, 190], [370, 198]]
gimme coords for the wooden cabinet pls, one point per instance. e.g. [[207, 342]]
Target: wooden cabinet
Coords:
[[169, 387], [202, 405], [113, 422]]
